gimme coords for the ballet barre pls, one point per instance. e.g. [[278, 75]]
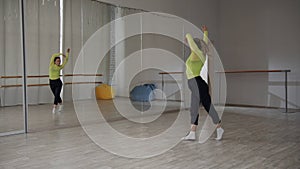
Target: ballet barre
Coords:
[[46, 84], [162, 78], [285, 71]]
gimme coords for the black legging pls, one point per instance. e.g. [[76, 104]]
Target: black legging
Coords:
[[200, 94], [56, 86]]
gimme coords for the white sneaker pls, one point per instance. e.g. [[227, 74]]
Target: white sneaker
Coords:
[[220, 132], [191, 136], [53, 110], [60, 108]]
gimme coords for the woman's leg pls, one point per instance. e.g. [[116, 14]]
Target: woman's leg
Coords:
[[206, 102], [194, 109], [59, 100], [56, 86], [195, 101], [57, 92], [53, 87]]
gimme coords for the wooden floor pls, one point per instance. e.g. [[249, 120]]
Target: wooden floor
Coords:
[[254, 138]]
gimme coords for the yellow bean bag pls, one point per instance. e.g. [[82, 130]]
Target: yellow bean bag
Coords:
[[104, 91]]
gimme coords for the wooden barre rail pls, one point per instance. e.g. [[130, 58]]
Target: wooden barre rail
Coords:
[[46, 84], [40, 76], [162, 78], [83, 75], [267, 71], [237, 71], [285, 71], [254, 71], [165, 73]]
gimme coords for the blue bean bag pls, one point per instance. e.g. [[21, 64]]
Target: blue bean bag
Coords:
[[143, 93]]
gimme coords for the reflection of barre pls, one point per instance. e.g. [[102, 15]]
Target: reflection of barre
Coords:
[[83, 75], [39, 76], [46, 76], [162, 79], [266, 71], [46, 84]]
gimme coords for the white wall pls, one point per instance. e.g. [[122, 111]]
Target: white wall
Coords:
[[249, 34], [257, 34], [2, 47], [11, 61], [2, 35], [198, 12]]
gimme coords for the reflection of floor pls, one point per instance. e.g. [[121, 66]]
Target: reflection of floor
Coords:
[[40, 117], [254, 138]]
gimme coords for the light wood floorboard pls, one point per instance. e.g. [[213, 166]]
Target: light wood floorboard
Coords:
[[253, 138]]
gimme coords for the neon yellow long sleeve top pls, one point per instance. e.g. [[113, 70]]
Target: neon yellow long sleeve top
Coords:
[[54, 70], [196, 59]]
